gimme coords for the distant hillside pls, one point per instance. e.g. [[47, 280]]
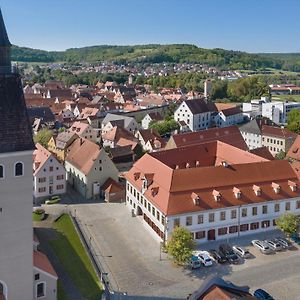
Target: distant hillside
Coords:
[[177, 53], [290, 61]]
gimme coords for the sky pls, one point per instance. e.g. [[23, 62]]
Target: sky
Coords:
[[246, 25]]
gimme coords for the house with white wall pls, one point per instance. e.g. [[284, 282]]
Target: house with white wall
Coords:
[[151, 117], [213, 189], [86, 131], [196, 113], [112, 120], [49, 175], [88, 167]]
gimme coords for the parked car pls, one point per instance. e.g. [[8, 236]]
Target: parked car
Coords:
[[195, 262], [284, 242], [242, 252], [226, 249], [262, 295], [217, 256], [276, 246], [295, 237], [262, 246], [205, 259]]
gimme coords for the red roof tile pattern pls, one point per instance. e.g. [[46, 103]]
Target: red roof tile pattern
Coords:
[[294, 151], [177, 184], [41, 261], [230, 135], [277, 132], [263, 152]]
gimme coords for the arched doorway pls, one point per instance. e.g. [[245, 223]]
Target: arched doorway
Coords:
[[3, 290], [139, 211]]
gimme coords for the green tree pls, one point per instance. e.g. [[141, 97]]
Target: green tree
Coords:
[[43, 137], [293, 122], [280, 155], [288, 223], [180, 245], [164, 127]]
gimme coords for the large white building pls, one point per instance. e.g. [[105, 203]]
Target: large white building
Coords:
[[49, 175], [277, 111], [198, 115], [214, 190]]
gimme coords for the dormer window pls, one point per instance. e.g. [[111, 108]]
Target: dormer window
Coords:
[[154, 191], [195, 198], [136, 175], [217, 195], [292, 185], [276, 187], [237, 193], [257, 190], [145, 184], [19, 169]]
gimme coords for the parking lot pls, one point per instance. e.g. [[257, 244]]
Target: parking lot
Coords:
[[132, 258]]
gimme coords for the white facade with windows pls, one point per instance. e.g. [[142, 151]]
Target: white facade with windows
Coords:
[[194, 121], [278, 111], [49, 178], [213, 224], [253, 140]]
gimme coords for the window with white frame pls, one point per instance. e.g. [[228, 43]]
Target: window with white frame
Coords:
[[19, 169], [276, 207], [189, 221], [41, 289], [200, 219]]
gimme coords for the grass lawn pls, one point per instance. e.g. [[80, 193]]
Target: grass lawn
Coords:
[[286, 97], [61, 295], [74, 259], [36, 217]]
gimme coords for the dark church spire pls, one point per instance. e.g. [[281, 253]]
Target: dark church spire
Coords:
[[5, 48]]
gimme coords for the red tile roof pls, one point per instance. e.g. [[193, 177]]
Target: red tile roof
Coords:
[[230, 135], [41, 261], [263, 152], [277, 132], [176, 185], [111, 186], [294, 151]]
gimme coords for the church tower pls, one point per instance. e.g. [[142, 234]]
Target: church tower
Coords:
[[16, 150]]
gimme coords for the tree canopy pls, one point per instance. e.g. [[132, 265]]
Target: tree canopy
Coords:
[[293, 122], [43, 137], [165, 127], [288, 223], [180, 245]]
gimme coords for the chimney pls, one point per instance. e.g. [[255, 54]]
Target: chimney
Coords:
[[197, 163]]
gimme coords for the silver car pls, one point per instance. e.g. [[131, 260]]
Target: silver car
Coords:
[[262, 246], [275, 245], [242, 252]]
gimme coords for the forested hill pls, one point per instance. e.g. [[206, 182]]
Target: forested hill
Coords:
[[177, 53]]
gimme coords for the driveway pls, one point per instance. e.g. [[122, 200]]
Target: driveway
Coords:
[[131, 256]]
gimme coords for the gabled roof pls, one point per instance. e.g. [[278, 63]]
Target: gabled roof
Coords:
[[116, 133], [82, 154], [44, 113], [156, 116], [278, 132], [112, 117], [230, 135], [63, 139], [79, 127], [41, 261], [251, 127], [111, 186], [263, 152], [40, 156], [231, 111], [198, 106]]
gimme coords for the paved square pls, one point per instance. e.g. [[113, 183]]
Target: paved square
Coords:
[[131, 256]]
